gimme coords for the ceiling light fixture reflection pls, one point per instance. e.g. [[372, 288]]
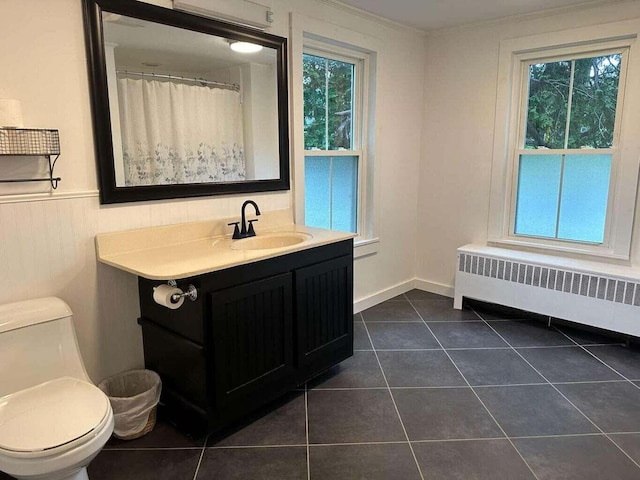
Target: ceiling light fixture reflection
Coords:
[[245, 47]]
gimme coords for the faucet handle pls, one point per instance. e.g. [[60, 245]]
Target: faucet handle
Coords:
[[236, 230], [251, 232]]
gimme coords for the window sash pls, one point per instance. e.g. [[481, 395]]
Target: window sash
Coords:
[[563, 154], [614, 151], [526, 63], [357, 108], [358, 154], [354, 207], [359, 117], [615, 154]]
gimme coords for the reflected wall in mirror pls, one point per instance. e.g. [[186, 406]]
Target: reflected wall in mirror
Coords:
[[179, 113]]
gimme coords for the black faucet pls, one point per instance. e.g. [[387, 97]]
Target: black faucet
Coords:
[[245, 232]]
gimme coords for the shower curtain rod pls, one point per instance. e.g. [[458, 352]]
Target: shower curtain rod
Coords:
[[228, 86]]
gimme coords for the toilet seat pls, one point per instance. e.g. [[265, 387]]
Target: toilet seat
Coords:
[[51, 418]]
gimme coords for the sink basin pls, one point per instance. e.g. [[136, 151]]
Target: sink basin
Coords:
[[270, 240]]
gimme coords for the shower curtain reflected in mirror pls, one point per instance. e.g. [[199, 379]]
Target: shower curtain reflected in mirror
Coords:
[[178, 133]]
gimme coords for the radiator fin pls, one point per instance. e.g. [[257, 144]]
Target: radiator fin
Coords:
[[567, 281]]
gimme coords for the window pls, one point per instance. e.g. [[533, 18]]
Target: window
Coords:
[[567, 145], [333, 154], [335, 73], [565, 164]]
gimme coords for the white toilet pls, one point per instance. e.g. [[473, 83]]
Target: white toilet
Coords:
[[53, 420]]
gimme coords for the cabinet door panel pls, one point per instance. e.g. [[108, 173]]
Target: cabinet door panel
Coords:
[[324, 307], [252, 338], [180, 362]]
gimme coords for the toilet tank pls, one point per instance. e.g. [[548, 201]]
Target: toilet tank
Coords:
[[37, 343]]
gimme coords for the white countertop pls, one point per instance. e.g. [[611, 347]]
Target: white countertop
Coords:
[[184, 250]]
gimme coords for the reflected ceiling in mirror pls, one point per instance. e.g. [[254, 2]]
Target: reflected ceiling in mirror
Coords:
[[177, 111]]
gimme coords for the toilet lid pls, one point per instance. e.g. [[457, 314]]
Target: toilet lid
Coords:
[[50, 414]]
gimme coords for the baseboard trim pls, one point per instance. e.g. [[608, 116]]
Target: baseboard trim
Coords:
[[399, 289], [434, 287], [382, 296]]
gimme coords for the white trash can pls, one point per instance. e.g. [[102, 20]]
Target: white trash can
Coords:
[[134, 396]]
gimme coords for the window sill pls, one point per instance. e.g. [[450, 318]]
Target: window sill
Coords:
[[576, 249], [365, 247]]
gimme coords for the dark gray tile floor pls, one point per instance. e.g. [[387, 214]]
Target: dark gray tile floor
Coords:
[[430, 393]]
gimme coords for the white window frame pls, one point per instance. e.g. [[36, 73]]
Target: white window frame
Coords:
[[309, 35], [512, 96], [359, 118]]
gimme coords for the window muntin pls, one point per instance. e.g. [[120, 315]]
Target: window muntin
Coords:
[[568, 147], [332, 87]]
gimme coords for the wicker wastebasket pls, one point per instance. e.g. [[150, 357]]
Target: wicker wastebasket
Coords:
[[134, 396]]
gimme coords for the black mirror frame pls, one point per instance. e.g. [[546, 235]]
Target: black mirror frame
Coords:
[[109, 192]]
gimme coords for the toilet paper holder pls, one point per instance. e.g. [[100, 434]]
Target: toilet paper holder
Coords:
[[191, 292]]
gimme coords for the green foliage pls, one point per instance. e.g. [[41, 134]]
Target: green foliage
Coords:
[[328, 103], [593, 103]]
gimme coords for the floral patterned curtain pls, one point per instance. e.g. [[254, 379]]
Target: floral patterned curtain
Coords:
[[179, 133]]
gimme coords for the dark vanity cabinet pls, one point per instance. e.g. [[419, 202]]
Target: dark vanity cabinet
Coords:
[[255, 332]]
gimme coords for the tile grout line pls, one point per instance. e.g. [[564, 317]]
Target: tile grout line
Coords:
[[622, 380], [594, 434], [595, 356], [125, 449], [393, 400], [475, 393], [241, 447], [204, 447], [449, 387], [306, 427], [560, 392], [503, 438], [467, 320], [394, 442], [453, 349], [543, 347], [393, 322]]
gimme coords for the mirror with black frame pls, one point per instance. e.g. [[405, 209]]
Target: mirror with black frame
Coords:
[[184, 105]]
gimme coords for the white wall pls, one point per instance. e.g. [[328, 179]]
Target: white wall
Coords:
[[264, 124], [46, 245], [460, 101], [259, 119]]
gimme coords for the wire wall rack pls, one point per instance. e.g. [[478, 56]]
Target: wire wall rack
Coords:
[[31, 142]]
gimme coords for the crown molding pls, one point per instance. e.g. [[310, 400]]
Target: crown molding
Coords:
[[549, 12], [340, 5], [373, 17]]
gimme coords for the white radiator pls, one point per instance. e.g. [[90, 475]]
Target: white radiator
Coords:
[[591, 293]]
